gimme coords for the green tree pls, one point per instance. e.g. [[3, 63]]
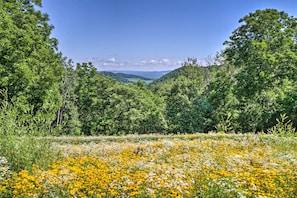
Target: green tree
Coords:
[[110, 108], [30, 66], [224, 104], [183, 90], [178, 110], [154, 121], [67, 121], [89, 90], [264, 50], [131, 109]]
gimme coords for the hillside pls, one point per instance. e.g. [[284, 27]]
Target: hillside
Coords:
[[114, 76], [146, 74], [128, 77], [187, 71], [192, 75]]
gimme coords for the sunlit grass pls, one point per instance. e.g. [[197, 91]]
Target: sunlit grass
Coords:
[[201, 165]]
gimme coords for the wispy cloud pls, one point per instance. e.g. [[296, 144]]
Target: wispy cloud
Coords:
[[111, 60], [153, 61], [165, 61], [108, 63], [113, 63]]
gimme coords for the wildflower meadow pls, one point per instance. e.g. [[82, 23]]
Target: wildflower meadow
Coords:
[[212, 165]]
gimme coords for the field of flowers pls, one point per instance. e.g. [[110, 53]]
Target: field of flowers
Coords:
[[162, 166]]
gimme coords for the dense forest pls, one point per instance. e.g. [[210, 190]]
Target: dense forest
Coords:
[[249, 87]]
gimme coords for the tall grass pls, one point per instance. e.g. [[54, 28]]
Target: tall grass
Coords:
[[22, 152], [19, 144]]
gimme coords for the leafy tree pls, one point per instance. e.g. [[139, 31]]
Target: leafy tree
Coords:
[[130, 109], [90, 85], [201, 114], [178, 108], [155, 121], [183, 91], [67, 115], [220, 96], [108, 107], [264, 50], [30, 67]]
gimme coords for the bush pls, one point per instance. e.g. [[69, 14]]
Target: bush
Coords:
[[283, 127]]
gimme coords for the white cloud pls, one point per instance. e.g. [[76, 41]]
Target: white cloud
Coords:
[[111, 60], [164, 61], [153, 61], [113, 63], [142, 62]]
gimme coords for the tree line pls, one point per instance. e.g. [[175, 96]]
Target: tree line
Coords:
[[250, 85]]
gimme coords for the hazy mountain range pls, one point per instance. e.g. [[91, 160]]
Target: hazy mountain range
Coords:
[[147, 74], [127, 76]]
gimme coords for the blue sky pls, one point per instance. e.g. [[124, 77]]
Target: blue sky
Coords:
[[148, 34]]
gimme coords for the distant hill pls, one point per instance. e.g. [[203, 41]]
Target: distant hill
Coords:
[[117, 77], [189, 72], [146, 74], [195, 76], [128, 76]]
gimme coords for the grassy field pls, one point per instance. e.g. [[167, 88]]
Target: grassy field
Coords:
[[199, 165]]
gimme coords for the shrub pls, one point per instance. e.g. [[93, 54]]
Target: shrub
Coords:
[[283, 127]]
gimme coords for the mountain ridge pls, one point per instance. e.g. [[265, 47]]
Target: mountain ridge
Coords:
[[146, 74]]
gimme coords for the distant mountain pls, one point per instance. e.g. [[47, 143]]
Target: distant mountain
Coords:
[[123, 75], [129, 77], [146, 74], [115, 76], [196, 77], [188, 72]]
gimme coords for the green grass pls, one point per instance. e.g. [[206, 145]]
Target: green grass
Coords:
[[22, 152]]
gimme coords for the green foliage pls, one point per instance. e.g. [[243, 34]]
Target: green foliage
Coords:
[[225, 125], [178, 108], [131, 110], [16, 122], [19, 143], [225, 106], [265, 35], [111, 108], [89, 91], [283, 127], [263, 49], [67, 121], [202, 114], [244, 89], [186, 108], [30, 67]]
